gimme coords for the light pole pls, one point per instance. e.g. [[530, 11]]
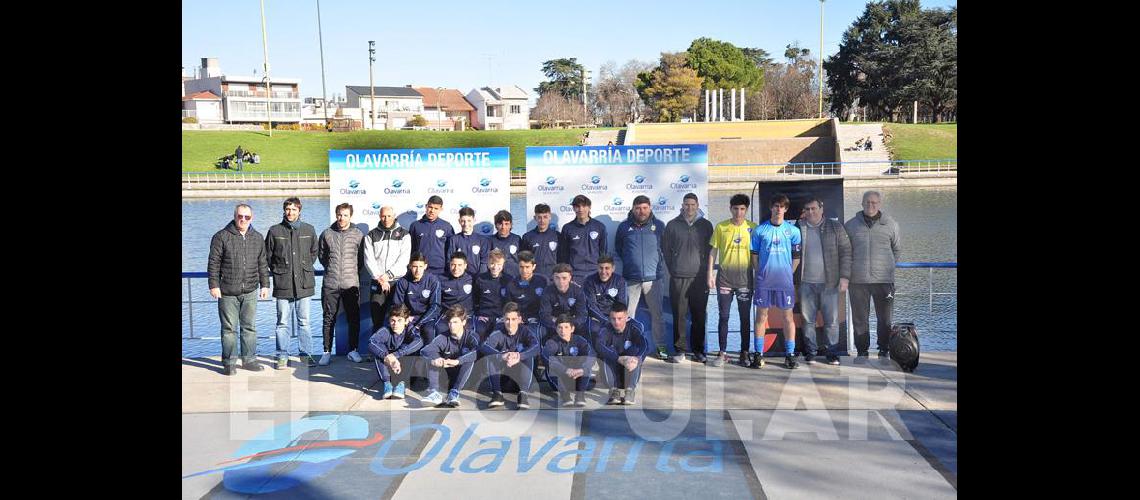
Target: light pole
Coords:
[[268, 82], [439, 99], [324, 93], [371, 86], [820, 58]]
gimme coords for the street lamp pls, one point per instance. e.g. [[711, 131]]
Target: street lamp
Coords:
[[439, 103], [268, 83], [820, 58], [324, 93], [371, 86]]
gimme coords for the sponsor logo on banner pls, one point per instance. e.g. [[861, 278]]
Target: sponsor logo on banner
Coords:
[[353, 184], [550, 185], [484, 187], [420, 206], [595, 185], [397, 188], [487, 230], [484, 182], [662, 200], [639, 184], [683, 183], [376, 205], [440, 188]]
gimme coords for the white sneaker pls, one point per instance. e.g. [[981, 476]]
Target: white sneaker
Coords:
[[355, 357], [326, 358]]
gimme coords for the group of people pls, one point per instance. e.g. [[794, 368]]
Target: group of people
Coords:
[[238, 159], [549, 303]]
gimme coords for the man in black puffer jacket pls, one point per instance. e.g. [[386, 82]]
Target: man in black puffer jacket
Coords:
[[339, 253], [291, 248], [236, 266]]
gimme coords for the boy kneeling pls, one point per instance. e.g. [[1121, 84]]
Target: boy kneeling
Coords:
[[510, 351], [455, 353], [396, 348], [569, 360]]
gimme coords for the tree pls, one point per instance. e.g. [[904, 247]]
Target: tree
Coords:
[[759, 57], [565, 78], [722, 65], [553, 110], [893, 54], [417, 121], [790, 90], [615, 96], [672, 88]]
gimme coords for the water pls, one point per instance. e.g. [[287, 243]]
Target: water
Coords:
[[927, 217]]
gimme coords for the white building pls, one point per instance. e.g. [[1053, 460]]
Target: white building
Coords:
[[394, 106], [205, 106], [500, 108], [244, 97]]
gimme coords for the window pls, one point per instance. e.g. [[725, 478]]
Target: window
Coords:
[[515, 109]]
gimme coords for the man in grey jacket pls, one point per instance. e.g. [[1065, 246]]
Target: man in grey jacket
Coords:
[[291, 247], [825, 273], [874, 252], [387, 250], [235, 267], [686, 247], [339, 253]]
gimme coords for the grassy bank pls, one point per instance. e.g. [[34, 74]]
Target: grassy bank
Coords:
[[922, 141], [291, 151]]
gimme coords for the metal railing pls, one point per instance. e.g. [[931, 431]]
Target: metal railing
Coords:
[[889, 169], [237, 178], [930, 266], [261, 93]]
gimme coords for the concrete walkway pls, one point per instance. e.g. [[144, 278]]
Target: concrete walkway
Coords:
[[857, 430]]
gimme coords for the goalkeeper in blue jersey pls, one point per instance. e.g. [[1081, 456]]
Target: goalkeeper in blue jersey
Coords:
[[775, 256]]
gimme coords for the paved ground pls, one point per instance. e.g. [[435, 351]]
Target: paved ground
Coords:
[[858, 430]]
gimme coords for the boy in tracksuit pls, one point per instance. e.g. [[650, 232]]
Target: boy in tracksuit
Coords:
[[510, 352], [526, 290], [396, 348], [622, 347], [542, 241], [569, 360], [455, 353], [490, 288], [507, 242], [474, 246], [603, 289], [565, 297], [455, 289], [430, 234], [582, 241], [420, 292]]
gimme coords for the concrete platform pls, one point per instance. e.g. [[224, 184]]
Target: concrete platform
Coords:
[[857, 430]]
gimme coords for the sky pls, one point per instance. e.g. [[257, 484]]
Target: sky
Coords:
[[465, 45]]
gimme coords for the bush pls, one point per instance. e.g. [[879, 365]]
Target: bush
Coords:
[[417, 121], [189, 119], [282, 126]]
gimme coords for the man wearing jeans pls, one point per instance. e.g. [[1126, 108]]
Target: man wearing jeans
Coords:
[[236, 266], [824, 275], [291, 248], [638, 243], [874, 252]]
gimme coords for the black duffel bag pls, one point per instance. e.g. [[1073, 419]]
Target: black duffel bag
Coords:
[[904, 346]]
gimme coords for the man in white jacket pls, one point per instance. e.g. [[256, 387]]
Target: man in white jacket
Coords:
[[387, 248]]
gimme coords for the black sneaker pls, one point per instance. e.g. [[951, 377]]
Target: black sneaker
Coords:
[[757, 361], [883, 354], [790, 362], [229, 370], [699, 357], [579, 399], [662, 354], [615, 397], [252, 366], [567, 400], [744, 359], [833, 360], [675, 358], [809, 360], [523, 404], [861, 358], [629, 398], [496, 400]]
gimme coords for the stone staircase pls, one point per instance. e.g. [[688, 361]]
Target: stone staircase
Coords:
[[602, 137], [873, 162]]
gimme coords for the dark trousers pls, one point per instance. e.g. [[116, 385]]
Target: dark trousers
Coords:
[[409, 365], [562, 382], [861, 296], [522, 373], [617, 377], [689, 296], [743, 308], [456, 376], [331, 301], [378, 304]]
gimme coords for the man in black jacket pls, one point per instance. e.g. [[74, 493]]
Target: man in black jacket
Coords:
[[339, 253], [687, 249], [236, 266], [291, 248]]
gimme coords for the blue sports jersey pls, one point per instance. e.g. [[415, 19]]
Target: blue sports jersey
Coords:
[[544, 246], [474, 246], [510, 246], [527, 294], [776, 246], [429, 238], [456, 291]]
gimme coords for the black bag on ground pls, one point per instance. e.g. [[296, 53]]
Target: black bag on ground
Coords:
[[904, 346]]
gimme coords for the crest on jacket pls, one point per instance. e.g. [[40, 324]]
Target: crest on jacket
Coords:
[[573, 350], [467, 288], [553, 245], [612, 292], [593, 235], [438, 233], [426, 293]]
